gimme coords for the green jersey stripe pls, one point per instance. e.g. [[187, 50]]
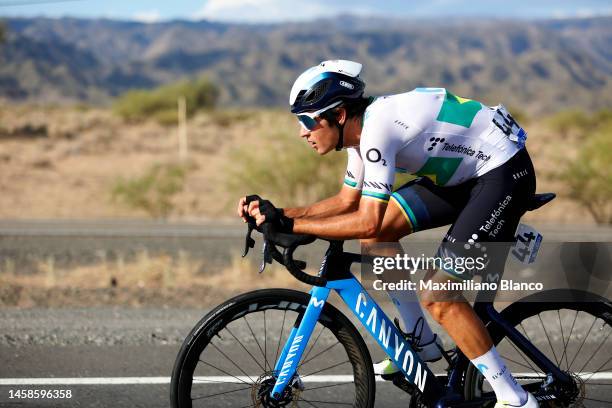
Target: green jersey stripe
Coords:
[[350, 183], [374, 194]]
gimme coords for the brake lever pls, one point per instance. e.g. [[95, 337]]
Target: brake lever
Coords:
[[249, 242], [264, 256]]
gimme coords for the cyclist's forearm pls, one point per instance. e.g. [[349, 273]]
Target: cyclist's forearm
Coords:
[[360, 224], [336, 205], [325, 208]]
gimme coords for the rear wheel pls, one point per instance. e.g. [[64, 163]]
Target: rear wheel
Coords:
[[574, 334], [228, 358]]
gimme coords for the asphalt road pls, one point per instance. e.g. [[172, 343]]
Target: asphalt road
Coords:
[[125, 356], [127, 345], [231, 229], [114, 357]]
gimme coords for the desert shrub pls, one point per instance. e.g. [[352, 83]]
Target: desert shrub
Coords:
[[228, 117], [152, 191], [602, 118], [161, 103], [166, 117], [570, 121], [589, 176], [286, 171]]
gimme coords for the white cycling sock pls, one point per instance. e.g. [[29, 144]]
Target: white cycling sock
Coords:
[[506, 388], [410, 310]]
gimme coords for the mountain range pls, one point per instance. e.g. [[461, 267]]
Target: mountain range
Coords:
[[535, 66]]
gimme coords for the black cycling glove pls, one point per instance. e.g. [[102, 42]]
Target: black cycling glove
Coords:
[[274, 216]]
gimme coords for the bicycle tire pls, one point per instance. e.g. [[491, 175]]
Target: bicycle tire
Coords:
[[532, 307], [274, 300]]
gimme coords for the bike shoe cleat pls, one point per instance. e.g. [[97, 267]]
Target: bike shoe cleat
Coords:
[[531, 402]]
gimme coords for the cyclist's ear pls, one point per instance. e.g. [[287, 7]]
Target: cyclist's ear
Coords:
[[341, 115]]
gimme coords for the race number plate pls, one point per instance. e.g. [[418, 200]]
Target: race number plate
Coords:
[[506, 123], [527, 244]]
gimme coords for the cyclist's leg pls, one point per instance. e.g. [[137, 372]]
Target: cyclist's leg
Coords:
[[491, 215], [395, 227], [407, 213]]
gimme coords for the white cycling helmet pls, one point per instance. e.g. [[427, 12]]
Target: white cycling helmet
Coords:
[[326, 85]]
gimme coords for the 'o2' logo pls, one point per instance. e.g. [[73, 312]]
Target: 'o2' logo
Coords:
[[373, 155]]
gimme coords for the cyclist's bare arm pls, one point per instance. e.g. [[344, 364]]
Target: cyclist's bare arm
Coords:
[[364, 222], [347, 200]]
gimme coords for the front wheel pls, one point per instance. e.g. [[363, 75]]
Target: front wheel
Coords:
[[228, 358], [573, 334]]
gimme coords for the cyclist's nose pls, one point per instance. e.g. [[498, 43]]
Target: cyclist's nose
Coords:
[[304, 132]]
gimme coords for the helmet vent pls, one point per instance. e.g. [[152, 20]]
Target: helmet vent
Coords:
[[317, 93]]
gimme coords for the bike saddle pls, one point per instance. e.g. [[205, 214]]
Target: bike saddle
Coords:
[[538, 200]]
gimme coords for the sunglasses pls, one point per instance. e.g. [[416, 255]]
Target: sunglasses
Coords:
[[309, 120]]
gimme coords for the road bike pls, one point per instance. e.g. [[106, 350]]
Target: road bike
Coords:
[[286, 348]]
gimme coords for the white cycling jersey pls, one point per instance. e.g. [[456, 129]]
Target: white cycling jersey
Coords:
[[429, 132]]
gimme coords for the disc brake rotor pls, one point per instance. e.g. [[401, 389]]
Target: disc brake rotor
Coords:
[[261, 393]]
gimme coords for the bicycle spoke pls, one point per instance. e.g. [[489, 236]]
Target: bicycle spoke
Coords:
[[308, 402], [318, 354], [562, 337], [265, 343], [516, 362], [255, 338], [225, 372], [200, 381], [220, 393], [525, 333], [580, 348], [313, 344], [245, 349], [568, 340], [522, 355], [231, 361], [597, 400], [548, 338], [327, 402], [280, 337], [595, 352], [323, 369], [598, 370], [329, 386]]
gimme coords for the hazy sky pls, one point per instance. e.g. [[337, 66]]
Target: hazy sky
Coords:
[[298, 10]]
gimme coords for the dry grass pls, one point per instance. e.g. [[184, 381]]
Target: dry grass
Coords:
[[142, 279], [63, 163], [154, 272]]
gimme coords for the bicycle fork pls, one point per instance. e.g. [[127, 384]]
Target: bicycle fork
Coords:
[[287, 364]]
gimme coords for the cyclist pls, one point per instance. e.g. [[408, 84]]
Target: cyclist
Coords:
[[474, 174]]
